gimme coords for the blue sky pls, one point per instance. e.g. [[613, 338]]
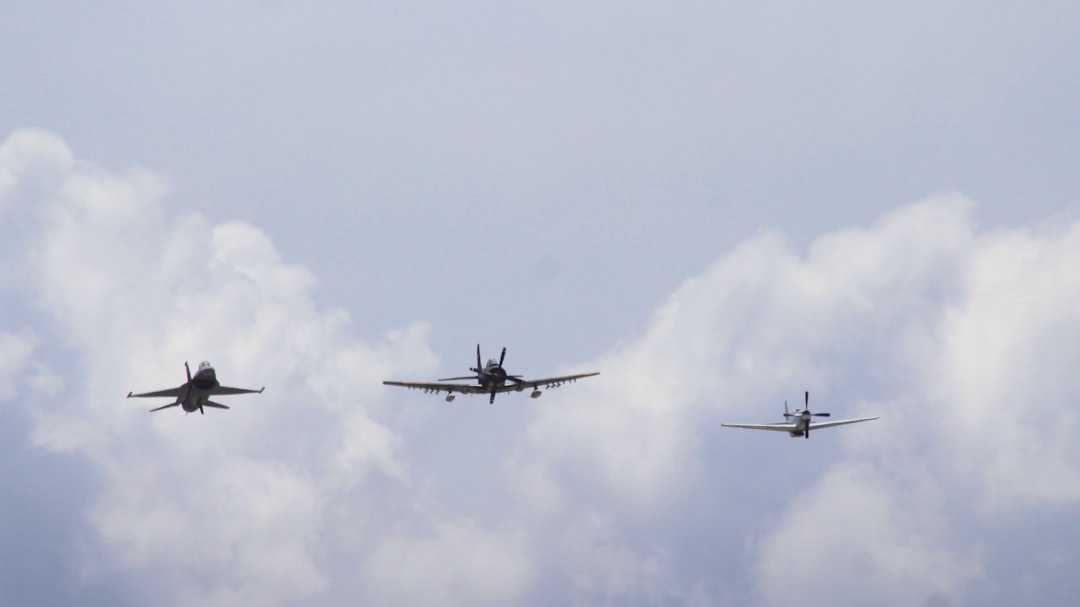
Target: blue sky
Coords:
[[716, 207]]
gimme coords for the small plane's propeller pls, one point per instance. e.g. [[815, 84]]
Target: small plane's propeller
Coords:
[[807, 413]]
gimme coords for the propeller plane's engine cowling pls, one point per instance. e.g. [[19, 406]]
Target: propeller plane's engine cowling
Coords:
[[450, 398], [535, 394]]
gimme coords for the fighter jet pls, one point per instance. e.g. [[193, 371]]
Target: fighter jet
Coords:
[[490, 379], [196, 392], [798, 423]]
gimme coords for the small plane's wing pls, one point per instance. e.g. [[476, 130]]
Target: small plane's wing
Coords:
[[228, 390], [173, 392], [550, 382], [839, 422], [436, 388], [780, 426]]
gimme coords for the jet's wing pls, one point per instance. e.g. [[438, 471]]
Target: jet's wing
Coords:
[[436, 388], [173, 392], [228, 390], [512, 385], [839, 422], [779, 426]]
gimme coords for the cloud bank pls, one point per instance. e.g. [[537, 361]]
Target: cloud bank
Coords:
[[621, 489]]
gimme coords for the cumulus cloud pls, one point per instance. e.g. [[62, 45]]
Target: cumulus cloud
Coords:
[[961, 339], [620, 489], [461, 563], [883, 542], [220, 510], [15, 351]]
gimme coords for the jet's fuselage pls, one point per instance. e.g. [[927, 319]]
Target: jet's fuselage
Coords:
[[199, 388]]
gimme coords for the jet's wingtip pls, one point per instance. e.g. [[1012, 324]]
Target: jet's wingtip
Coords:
[[261, 389], [129, 394]]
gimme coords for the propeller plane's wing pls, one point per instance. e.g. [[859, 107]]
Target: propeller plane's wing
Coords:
[[780, 426], [792, 427], [550, 382], [434, 388], [512, 385], [840, 422]]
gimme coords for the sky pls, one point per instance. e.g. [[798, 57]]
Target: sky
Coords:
[[718, 207]]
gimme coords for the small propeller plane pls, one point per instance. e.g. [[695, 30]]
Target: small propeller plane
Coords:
[[799, 423], [196, 392], [491, 379]]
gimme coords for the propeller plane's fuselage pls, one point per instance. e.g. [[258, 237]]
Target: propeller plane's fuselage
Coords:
[[801, 419], [492, 375]]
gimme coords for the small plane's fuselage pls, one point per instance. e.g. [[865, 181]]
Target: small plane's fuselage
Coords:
[[801, 419]]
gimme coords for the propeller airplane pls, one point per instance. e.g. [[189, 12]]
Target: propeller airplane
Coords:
[[800, 422], [490, 379]]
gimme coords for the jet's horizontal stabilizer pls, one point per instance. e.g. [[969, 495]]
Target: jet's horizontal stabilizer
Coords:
[[165, 407], [211, 403]]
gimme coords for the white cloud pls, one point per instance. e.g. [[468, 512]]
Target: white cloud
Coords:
[[858, 537], [961, 339], [459, 563], [617, 489], [15, 351], [32, 157], [219, 509]]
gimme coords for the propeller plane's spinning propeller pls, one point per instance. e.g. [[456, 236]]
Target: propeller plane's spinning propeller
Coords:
[[490, 379], [800, 423]]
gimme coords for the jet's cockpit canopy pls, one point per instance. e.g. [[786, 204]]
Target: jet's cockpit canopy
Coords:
[[205, 365]]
